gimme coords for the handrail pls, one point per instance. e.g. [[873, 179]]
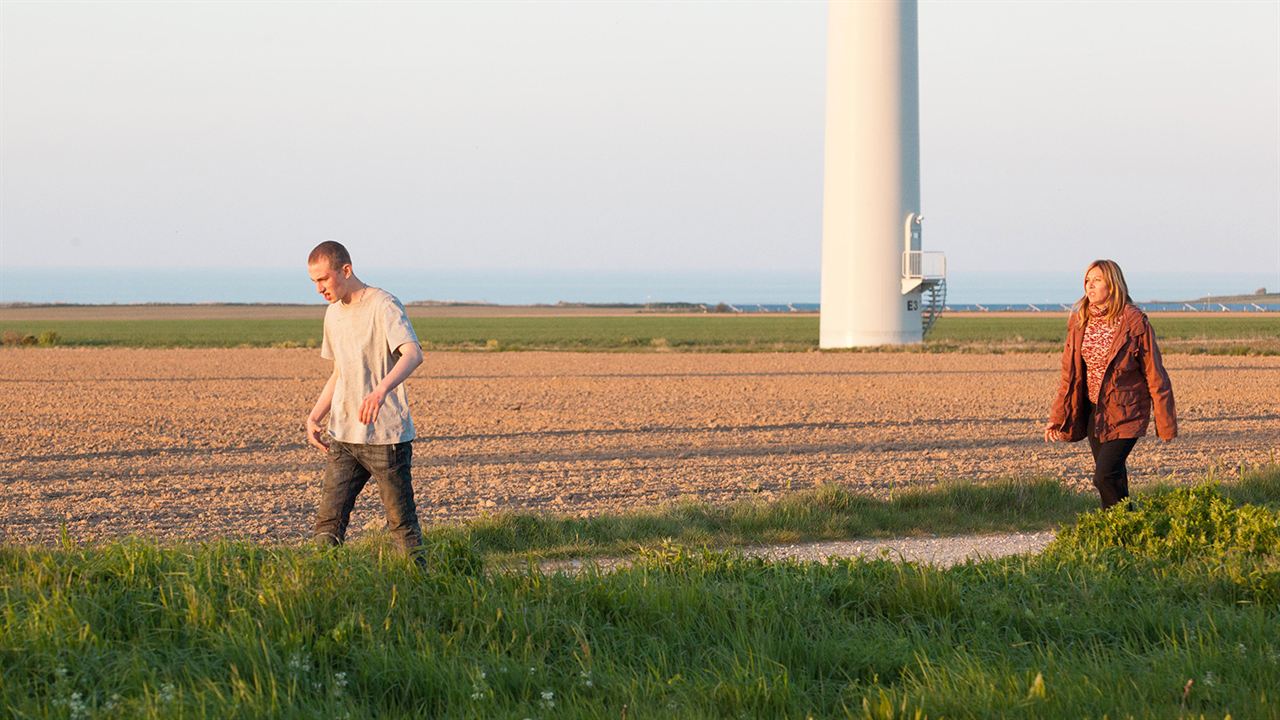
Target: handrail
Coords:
[[925, 265]]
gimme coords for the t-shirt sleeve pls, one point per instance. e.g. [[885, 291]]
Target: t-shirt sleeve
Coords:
[[396, 322], [326, 349]]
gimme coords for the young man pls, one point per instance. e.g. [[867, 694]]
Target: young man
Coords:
[[373, 347]]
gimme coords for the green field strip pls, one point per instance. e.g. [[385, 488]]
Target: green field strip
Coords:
[[627, 333]]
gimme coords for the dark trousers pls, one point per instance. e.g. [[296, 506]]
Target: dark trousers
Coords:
[[1110, 475], [349, 469]]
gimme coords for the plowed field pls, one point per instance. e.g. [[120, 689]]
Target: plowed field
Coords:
[[199, 444]]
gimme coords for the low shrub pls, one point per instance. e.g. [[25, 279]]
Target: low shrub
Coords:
[[1178, 524]]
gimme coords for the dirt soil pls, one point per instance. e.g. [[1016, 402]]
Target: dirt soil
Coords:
[[200, 444]]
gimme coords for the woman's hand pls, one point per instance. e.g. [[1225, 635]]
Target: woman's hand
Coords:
[[1052, 434]]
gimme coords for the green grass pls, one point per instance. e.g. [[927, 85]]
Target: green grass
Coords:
[[1114, 620], [1258, 486], [1053, 329], [1258, 335], [827, 513], [559, 333], [170, 333], [1218, 335]]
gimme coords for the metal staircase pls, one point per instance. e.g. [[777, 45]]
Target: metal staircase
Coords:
[[935, 298], [923, 272]]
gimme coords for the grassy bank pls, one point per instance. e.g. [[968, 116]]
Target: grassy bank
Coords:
[[827, 513], [1172, 610], [1257, 334]]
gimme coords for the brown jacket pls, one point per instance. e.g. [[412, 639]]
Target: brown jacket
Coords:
[[1133, 384]]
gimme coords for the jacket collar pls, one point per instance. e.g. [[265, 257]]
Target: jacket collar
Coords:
[[1122, 332]]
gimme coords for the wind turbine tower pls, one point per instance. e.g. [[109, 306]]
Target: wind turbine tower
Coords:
[[878, 286]]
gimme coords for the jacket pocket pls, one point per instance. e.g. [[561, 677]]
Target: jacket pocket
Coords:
[[1129, 359], [1127, 405]]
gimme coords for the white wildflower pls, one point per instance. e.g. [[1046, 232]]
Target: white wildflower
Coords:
[[60, 672], [76, 706], [586, 679], [1241, 649], [548, 699], [1210, 679], [167, 692], [478, 688], [300, 662]]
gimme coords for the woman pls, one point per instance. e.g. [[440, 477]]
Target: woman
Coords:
[[1112, 379]]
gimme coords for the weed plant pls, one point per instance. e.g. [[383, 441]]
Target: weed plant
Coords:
[[1168, 610]]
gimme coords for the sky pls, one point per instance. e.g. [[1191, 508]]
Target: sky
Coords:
[[624, 137]]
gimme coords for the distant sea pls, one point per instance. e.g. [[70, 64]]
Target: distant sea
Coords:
[[239, 285]]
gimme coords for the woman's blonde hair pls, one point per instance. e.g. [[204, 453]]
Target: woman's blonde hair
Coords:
[[1117, 298]]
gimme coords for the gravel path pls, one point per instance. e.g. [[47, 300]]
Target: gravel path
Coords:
[[939, 551]]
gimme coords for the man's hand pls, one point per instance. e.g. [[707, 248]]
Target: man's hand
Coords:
[[315, 435], [370, 407]]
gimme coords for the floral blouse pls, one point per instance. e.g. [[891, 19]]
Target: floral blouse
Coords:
[[1095, 348]]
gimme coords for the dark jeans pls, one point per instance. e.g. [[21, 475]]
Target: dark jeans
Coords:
[[350, 467], [1110, 475]]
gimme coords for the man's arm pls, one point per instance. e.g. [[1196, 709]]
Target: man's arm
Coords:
[[315, 433], [410, 359]]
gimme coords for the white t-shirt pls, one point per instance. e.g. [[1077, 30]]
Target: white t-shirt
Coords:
[[362, 340]]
